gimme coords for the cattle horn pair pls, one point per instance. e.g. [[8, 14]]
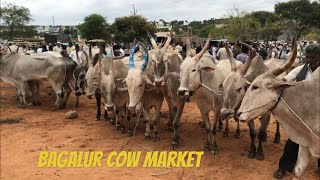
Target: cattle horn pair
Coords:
[[198, 56], [290, 60], [248, 62], [145, 57]]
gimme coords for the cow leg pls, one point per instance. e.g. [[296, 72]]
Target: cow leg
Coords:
[[67, 88], [77, 101], [98, 100], [205, 118], [252, 151], [302, 162], [214, 130], [130, 131], [226, 129], [220, 124], [176, 124], [277, 136], [155, 121], [237, 135], [147, 120], [117, 114], [22, 87], [264, 122], [57, 87], [171, 111], [37, 92], [105, 117]]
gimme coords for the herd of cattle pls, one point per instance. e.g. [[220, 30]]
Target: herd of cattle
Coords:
[[140, 82]]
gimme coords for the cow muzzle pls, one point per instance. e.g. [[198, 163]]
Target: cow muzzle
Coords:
[[243, 117], [108, 107], [225, 113]]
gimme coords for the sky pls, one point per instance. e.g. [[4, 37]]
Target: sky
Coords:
[[72, 12]]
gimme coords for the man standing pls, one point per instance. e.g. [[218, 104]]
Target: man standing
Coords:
[[57, 47], [291, 149], [75, 55], [222, 52]]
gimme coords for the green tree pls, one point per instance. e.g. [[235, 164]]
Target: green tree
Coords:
[[126, 28], [15, 19], [299, 15], [95, 26]]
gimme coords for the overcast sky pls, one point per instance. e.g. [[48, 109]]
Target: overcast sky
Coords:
[[72, 12]]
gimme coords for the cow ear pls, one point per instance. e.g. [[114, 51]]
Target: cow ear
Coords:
[[282, 85], [207, 66]]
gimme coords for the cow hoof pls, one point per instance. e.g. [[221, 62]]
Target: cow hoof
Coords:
[[156, 138], [214, 152], [122, 130], [237, 136], [147, 137], [130, 133], [21, 106], [170, 128], [34, 103], [251, 155], [202, 125], [174, 144], [260, 157], [97, 118], [276, 140], [225, 134], [112, 122], [118, 127], [106, 118]]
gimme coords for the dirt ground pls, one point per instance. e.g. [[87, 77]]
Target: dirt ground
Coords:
[[39, 129]]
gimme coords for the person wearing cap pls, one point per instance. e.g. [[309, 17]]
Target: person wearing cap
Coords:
[[57, 47]]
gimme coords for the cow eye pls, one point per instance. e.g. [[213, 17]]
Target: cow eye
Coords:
[[254, 87], [238, 90], [221, 87], [140, 85], [193, 70]]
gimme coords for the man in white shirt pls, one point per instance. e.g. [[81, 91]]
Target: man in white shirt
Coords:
[[291, 149], [76, 55], [222, 52], [214, 51], [57, 48]]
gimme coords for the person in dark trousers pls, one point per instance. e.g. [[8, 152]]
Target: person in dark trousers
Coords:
[[290, 153]]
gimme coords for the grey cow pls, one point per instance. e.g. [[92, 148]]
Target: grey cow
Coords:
[[296, 105], [234, 88], [201, 77], [18, 69]]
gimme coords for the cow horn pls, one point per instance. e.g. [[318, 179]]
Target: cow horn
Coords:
[[145, 57], [165, 46], [153, 42], [231, 59], [188, 47], [9, 48], [111, 70], [198, 56], [290, 60], [131, 62], [248, 62], [86, 63], [90, 56]]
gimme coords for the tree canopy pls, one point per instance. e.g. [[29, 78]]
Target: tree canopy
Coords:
[[299, 15], [95, 26], [15, 20], [126, 28]]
